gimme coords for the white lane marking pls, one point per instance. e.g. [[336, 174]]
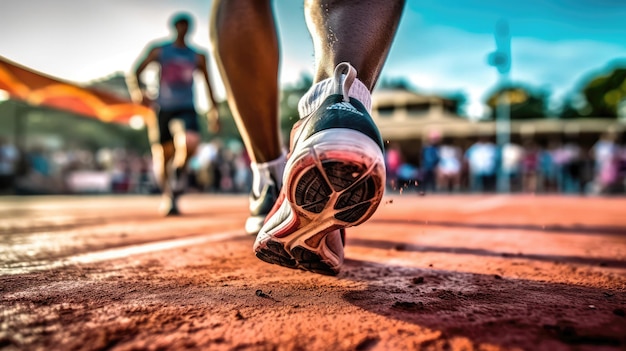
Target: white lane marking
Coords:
[[117, 253], [485, 204]]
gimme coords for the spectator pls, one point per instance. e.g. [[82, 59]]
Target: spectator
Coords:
[[393, 160], [449, 167], [605, 155], [407, 175], [530, 167], [430, 160], [546, 168], [512, 155], [482, 160], [566, 158]]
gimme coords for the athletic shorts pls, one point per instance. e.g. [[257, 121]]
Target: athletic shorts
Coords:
[[188, 116]]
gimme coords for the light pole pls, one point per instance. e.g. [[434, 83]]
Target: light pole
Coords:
[[501, 59]]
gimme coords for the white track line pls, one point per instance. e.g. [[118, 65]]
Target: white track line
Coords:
[[122, 252]]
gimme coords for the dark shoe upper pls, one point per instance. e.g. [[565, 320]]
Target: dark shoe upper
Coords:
[[262, 205], [335, 112]]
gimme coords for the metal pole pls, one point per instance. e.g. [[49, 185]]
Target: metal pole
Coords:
[[501, 59], [503, 133]]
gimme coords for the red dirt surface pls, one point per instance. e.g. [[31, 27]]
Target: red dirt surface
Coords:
[[425, 273]]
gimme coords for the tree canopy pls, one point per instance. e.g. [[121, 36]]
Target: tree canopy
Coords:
[[599, 94], [525, 101], [605, 93]]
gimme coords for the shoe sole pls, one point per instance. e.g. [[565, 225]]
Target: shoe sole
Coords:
[[335, 179]]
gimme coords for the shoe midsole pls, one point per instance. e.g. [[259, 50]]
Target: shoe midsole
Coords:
[[344, 146]]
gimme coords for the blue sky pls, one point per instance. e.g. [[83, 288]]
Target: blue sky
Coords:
[[441, 46]]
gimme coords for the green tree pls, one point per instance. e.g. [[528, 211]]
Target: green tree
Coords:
[[604, 93], [525, 102], [574, 106]]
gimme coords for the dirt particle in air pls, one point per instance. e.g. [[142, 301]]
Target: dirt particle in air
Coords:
[[619, 312]]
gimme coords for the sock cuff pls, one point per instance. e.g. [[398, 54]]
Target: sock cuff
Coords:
[[262, 172], [312, 100], [268, 164]]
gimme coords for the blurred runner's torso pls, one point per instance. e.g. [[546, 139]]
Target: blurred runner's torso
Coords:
[[176, 83]]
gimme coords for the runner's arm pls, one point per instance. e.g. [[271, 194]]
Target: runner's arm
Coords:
[[136, 93], [212, 114]]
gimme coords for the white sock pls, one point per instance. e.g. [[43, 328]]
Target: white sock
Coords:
[[263, 173], [344, 80]]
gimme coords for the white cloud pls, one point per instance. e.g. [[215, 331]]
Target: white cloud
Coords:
[[448, 59]]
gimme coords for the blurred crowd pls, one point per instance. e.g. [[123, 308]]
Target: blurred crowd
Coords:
[[217, 167], [224, 167], [555, 166]]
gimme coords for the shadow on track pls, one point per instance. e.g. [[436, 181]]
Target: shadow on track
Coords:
[[390, 245], [574, 229], [487, 308]]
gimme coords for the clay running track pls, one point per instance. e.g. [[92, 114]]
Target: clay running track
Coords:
[[425, 273]]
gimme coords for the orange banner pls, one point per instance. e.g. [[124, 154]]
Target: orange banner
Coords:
[[39, 89]]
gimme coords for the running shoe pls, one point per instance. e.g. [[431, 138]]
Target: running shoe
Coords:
[[334, 178], [169, 206], [266, 183], [179, 181], [260, 206], [171, 190]]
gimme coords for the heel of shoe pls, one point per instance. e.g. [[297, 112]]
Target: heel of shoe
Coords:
[[337, 175]]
